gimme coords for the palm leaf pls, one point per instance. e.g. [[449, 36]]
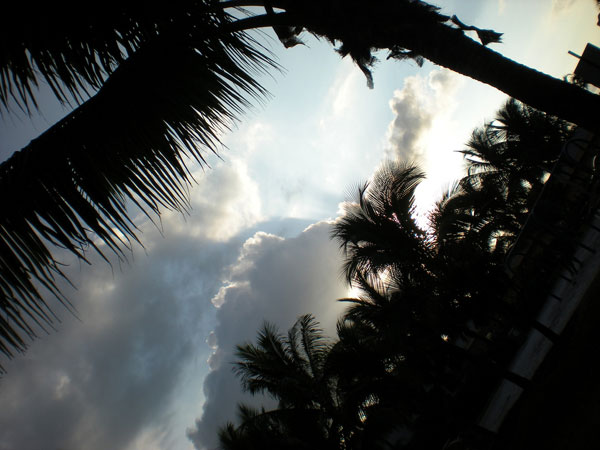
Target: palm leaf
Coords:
[[309, 337], [378, 231], [264, 366], [170, 100], [74, 51], [289, 368]]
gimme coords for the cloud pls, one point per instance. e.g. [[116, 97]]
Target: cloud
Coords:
[[229, 194], [303, 157], [95, 384], [425, 132], [130, 374], [416, 107], [110, 379], [411, 121], [277, 280], [343, 93]]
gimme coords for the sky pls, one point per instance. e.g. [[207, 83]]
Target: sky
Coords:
[[146, 362]]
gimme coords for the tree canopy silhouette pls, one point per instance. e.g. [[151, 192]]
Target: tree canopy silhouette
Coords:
[[433, 324], [294, 369], [154, 84], [508, 161]]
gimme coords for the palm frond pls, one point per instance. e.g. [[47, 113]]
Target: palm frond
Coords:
[[170, 100], [289, 368], [261, 367], [507, 160], [314, 344], [73, 51], [379, 230], [372, 304]]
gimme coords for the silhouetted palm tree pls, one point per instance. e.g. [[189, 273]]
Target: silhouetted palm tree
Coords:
[[508, 161], [378, 232], [424, 340], [422, 343], [63, 50], [383, 243], [351, 394], [463, 292], [477, 222], [416, 29], [411, 324], [294, 369]]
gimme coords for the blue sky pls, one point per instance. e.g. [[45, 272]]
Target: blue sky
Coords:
[[148, 357]]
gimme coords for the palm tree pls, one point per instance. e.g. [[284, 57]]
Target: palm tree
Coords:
[[378, 232], [426, 329], [416, 29], [294, 370], [418, 349], [338, 395], [423, 342], [508, 162], [476, 224], [390, 379], [382, 242], [155, 84], [65, 57]]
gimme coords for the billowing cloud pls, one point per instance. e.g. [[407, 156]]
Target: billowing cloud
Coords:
[[97, 383], [232, 198], [425, 132], [411, 121], [130, 373], [416, 107], [109, 379], [276, 280]]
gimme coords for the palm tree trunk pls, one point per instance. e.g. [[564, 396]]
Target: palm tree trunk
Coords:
[[451, 49], [388, 24]]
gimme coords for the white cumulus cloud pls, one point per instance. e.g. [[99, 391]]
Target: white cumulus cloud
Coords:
[[416, 107], [276, 280]]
